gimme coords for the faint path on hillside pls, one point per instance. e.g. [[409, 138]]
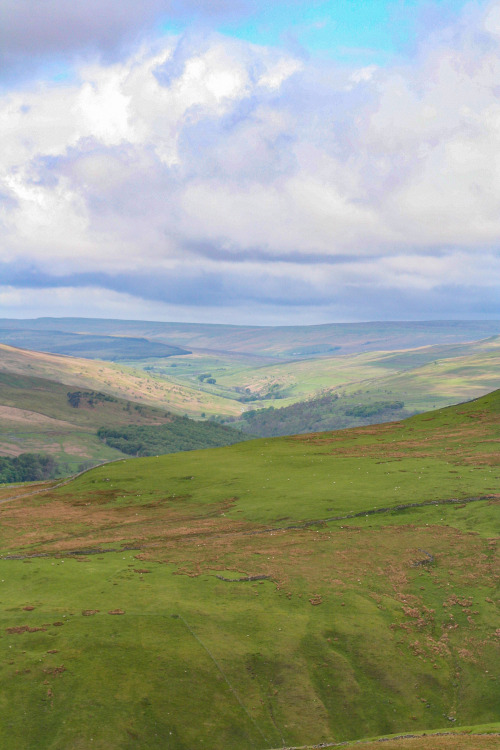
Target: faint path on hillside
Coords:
[[223, 674], [374, 511], [352, 743]]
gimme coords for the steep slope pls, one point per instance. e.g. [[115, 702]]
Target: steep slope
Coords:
[[278, 593]]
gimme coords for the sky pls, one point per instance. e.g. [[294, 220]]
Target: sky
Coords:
[[236, 161]]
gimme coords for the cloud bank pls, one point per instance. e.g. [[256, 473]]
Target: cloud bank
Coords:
[[201, 175]]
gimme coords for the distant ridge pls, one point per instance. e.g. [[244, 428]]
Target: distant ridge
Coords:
[[289, 342], [89, 346]]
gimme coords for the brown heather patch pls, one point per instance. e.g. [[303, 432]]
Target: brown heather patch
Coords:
[[17, 629], [482, 459], [96, 497], [8, 491], [57, 526], [452, 741], [54, 671]]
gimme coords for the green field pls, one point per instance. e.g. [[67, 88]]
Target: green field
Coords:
[[275, 593]]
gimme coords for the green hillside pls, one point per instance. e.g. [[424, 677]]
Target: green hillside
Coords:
[[428, 378], [286, 592], [70, 424]]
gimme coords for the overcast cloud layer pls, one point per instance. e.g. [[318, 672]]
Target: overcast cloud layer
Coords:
[[201, 177]]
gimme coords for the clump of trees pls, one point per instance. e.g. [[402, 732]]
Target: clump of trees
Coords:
[[327, 412], [377, 407], [181, 434], [274, 392], [88, 398], [28, 467]]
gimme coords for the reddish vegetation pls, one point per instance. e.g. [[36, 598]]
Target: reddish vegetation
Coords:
[[437, 742], [315, 600], [22, 629], [54, 671]]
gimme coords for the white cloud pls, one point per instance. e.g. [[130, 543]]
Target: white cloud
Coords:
[[210, 159]]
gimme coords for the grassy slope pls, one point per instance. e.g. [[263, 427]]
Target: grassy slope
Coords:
[[352, 632], [123, 382]]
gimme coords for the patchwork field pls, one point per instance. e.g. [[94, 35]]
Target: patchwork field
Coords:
[[322, 588]]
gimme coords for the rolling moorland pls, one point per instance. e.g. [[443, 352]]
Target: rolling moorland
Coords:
[[285, 592], [287, 342], [260, 396], [425, 365]]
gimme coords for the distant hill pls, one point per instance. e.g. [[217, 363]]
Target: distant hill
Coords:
[[289, 342], [327, 412], [90, 346]]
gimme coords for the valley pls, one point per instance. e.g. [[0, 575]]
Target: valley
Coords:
[[256, 390]]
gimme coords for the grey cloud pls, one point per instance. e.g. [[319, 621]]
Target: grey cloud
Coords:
[[185, 286], [31, 30], [220, 290], [239, 255]]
